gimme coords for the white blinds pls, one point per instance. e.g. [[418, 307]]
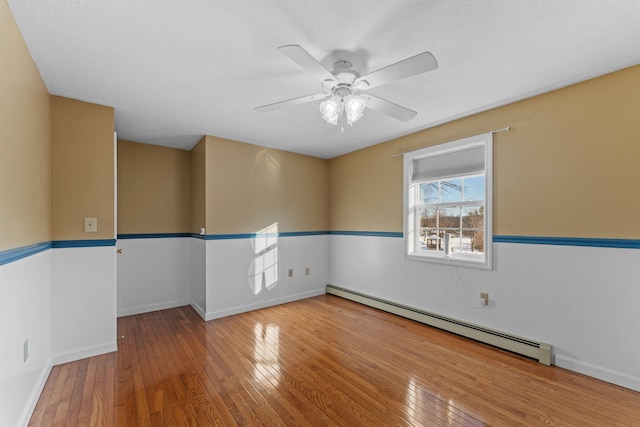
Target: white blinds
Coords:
[[467, 160]]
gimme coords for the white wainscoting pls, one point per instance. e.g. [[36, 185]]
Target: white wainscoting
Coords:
[[25, 314], [153, 274], [198, 275], [214, 275], [230, 265], [83, 302], [581, 300]]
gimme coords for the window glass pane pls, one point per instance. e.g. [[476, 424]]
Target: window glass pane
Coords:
[[472, 241], [429, 192], [454, 239], [449, 217], [474, 188], [433, 240], [428, 217], [451, 190], [473, 217], [429, 240]]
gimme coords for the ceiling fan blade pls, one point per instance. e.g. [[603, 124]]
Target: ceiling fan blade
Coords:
[[390, 109], [290, 102], [418, 64], [301, 57]]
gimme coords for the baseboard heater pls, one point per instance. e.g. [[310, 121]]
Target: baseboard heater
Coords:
[[533, 349]]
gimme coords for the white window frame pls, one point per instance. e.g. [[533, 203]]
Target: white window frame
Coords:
[[410, 199]]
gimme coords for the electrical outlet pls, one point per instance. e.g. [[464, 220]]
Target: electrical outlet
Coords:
[[307, 271], [484, 299], [91, 225], [291, 272], [25, 350]]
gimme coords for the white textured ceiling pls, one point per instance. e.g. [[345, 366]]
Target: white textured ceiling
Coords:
[[175, 70]]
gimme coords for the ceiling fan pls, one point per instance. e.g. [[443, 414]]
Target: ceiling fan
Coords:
[[344, 86]]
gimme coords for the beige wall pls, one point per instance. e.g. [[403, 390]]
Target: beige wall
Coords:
[[568, 168], [366, 190], [24, 142], [251, 187], [82, 169], [198, 186], [154, 189]]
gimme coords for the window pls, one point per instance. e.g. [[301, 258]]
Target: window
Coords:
[[448, 194]]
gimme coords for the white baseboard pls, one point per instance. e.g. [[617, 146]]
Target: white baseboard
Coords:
[[262, 304], [604, 374], [152, 307], [96, 350], [30, 406], [199, 310]]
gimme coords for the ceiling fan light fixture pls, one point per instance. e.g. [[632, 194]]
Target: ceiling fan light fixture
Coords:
[[331, 109], [354, 108], [343, 84]]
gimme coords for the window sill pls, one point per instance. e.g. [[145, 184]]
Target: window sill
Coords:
[[458, 261]]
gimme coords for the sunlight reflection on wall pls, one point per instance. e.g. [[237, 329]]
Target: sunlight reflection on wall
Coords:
[[263, 271], [266, 368]]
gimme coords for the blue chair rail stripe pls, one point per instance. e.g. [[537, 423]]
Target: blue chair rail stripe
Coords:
[[570, 241], [368, 233], [153, 235], [11, 255], [254, 235], [57, 244]]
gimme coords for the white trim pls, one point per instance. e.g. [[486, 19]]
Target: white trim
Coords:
[[198, 310], [263, 304], [95, 350], [152, 307], [31, 403], [409, 237], [460, 261], [115, 184], [595, 371]]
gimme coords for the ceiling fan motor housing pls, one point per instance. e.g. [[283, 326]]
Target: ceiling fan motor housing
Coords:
[[342, 90], [345, 77], [343, 84], [344, 73]]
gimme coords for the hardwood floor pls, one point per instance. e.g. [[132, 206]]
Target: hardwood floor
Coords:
[[320, 361]]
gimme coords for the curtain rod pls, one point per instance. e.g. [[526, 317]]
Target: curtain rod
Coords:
[[504, 129]]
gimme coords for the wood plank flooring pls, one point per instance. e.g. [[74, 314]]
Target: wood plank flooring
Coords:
[[319, 361]]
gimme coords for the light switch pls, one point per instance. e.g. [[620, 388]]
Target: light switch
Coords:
[[91, 225]]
